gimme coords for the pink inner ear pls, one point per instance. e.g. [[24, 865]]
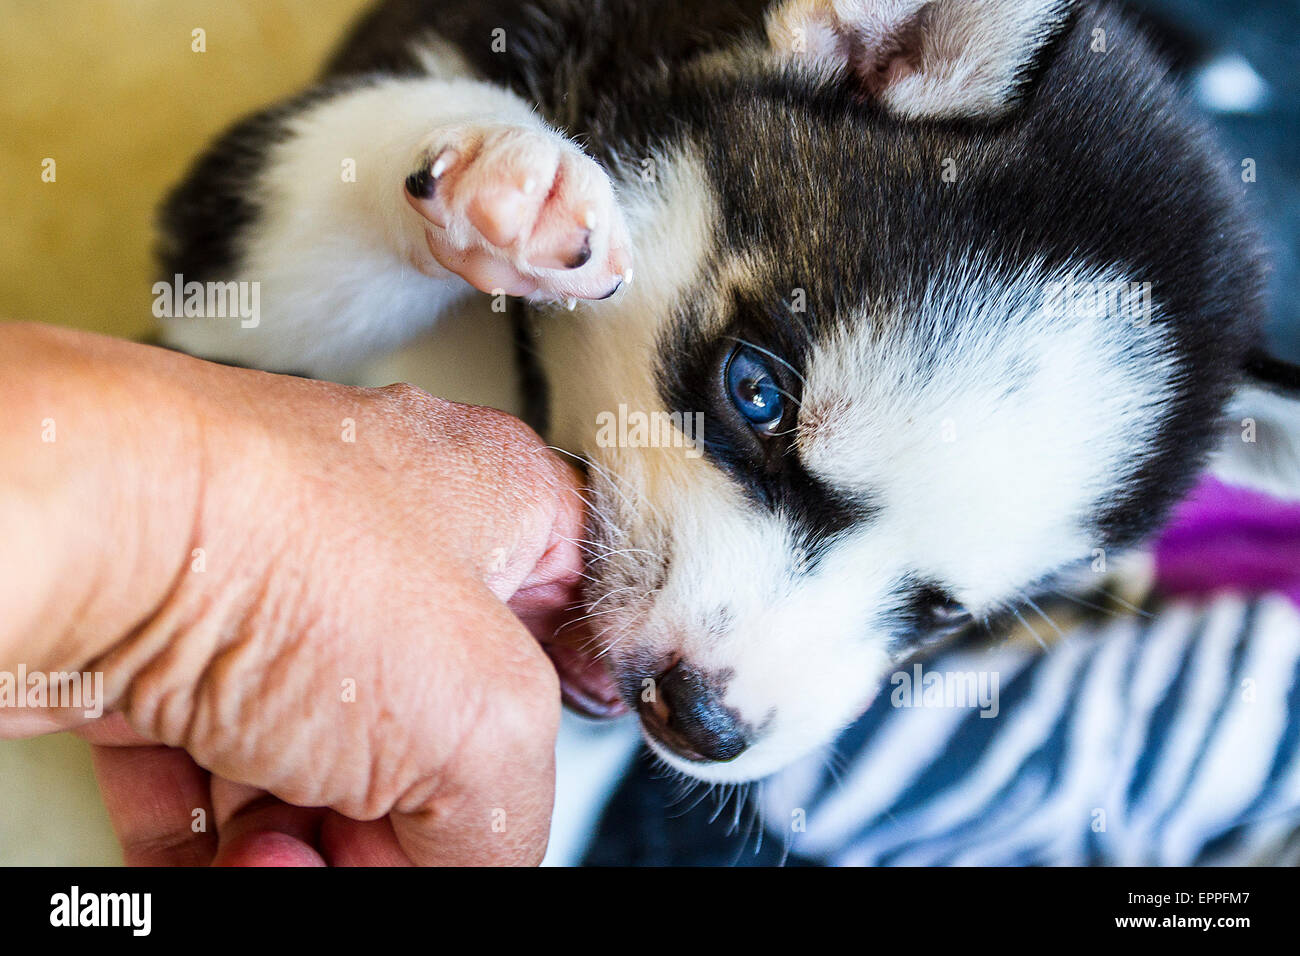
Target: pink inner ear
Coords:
[[890, 73], [887, 53], [878, 75]]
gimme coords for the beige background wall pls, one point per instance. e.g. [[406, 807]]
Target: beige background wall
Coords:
[[111, 90]]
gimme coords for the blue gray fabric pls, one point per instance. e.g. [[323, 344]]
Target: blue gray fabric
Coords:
[[1266, 35]]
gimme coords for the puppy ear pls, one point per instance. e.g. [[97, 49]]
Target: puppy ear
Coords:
[[923, 58], [1260, 444]]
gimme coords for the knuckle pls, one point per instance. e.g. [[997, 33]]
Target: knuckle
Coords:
[[513, 436], [406, 398]]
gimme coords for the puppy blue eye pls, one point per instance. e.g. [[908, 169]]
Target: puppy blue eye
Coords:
[[754, 391]]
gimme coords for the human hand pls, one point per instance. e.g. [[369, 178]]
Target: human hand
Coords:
[[340, 670]]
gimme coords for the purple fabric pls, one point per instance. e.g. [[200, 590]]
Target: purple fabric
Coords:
[[1226, 539]]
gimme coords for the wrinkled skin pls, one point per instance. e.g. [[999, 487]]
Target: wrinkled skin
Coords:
[[350, 677]]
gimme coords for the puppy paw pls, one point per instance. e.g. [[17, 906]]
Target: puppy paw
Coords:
[[519, 211]]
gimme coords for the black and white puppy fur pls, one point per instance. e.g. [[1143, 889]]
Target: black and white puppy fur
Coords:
[[845, 220]]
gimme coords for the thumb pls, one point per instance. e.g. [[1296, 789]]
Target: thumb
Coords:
[[552, 589]]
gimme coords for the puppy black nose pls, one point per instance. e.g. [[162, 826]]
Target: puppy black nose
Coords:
[[686, 714]]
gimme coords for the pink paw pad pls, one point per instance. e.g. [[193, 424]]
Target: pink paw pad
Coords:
[[520, 211]]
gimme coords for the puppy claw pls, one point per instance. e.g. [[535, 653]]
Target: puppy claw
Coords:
[[442, 163], [582, 256], [420, 184], [423, 183]]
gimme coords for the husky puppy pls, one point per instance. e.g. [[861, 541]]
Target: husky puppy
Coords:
[[960, 288]]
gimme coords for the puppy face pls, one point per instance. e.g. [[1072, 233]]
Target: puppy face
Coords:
[[908, 469], [935, 361]]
